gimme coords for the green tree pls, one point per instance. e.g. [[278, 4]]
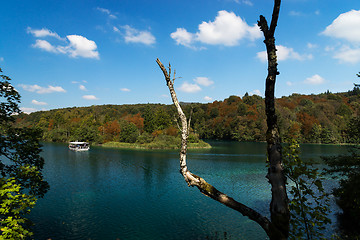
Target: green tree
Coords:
[[251, 100], [233, 99], [145, 137], [344, 110], [162, 119], [214, 112], [242, 109], [353, 130], [315, 133], [309, 203], [328, 136], [306, 102], [21, 179], [87, 133], [129, 132], [149, 120], [14, 205], [346, 167]]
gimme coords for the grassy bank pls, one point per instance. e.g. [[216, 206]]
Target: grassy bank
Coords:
[[155, 145]]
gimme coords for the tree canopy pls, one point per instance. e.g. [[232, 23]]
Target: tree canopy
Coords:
[[21, 180]]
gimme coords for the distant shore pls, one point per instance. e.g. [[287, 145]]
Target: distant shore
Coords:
[[152, 145]]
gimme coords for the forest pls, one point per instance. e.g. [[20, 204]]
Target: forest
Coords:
[[322, 118]]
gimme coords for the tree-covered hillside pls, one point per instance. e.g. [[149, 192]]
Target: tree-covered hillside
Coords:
[[323, 118]]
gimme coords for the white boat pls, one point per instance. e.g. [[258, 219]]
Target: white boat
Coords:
[[79, 146]]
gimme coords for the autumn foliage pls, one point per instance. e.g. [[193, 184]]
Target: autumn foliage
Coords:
[[322, 118]]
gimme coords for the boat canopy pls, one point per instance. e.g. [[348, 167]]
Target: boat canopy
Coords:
[[78, 143]]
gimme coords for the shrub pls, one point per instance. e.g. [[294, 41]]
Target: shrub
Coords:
[[145, 138]]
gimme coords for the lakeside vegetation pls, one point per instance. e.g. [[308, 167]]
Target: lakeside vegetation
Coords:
[[154, 145], [322, 118]]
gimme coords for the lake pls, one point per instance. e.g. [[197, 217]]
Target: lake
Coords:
[[140, 194]]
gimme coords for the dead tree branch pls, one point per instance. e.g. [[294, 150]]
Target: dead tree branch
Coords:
[[200, 183]]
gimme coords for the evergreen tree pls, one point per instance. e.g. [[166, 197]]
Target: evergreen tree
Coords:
[[149, 120]]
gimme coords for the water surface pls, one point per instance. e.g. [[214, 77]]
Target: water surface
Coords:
[[130, 194]]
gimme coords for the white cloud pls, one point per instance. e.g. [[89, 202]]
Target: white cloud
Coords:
[[107, 12], [284, 53], [345, 26], [289, 83], [44, 45], [194, 87], [256, 92], [78, 46], [41, 90], [133, 35], [314, 80], [103, 10], [295, 13], [329, 48], [125, 89], [38, 103], [82, 87], [183, 37], [254, 32], [41, 33], [189, 87], [27, 110], [207, 98], [262, 56], [246, 2], [227, 29], [204, 81], [1, 59], [311, 46], [348, 54], [89, 97]]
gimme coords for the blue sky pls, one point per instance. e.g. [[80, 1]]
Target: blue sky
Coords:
[[81, 53]]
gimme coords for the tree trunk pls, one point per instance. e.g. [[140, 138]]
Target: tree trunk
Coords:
[[279, 209]]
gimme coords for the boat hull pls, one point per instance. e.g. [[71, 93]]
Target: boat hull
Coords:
[[79, 149]]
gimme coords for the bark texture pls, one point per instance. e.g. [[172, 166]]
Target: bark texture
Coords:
[[279, 209], [196, 181]]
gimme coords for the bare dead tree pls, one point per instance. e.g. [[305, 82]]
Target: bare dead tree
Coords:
[[278, 227], [279, 207]]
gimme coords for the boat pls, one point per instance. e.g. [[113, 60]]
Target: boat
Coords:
[[79, 146]]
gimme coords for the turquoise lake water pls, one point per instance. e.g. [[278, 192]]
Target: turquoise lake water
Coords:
[[128, 194]]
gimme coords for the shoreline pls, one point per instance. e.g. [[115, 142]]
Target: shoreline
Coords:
[[152, 146]]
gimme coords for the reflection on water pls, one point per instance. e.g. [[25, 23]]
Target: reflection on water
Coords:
[[127, 194]]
